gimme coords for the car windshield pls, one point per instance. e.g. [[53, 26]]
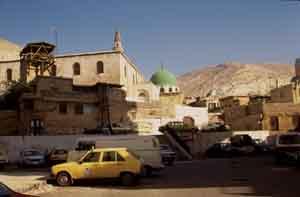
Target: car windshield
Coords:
[[31, 153], [289, 139]]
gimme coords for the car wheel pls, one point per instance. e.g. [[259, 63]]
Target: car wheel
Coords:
[[63, 179], [127, 179], [1, 166], [147, 171]]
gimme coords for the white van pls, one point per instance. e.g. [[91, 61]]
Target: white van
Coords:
[[146, 147], [3, 156]]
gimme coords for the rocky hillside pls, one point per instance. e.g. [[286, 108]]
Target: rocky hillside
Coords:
[[235, 79]]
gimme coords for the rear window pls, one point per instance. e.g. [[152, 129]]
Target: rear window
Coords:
[[289, 139], [31, 153]]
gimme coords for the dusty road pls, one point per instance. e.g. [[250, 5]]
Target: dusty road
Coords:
[[207, 178]]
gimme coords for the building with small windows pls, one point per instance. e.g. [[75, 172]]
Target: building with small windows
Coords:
[[67, 97], [279, 111]]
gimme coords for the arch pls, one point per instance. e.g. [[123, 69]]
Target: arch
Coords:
[[143, 96], [170, 89], [189, 121], [76, 68], [162, 89], [9, 74], [100, 67], [53, 70]]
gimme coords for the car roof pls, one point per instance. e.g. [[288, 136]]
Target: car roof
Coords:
[[109, 149]]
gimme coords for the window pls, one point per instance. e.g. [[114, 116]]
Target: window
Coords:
[[170, 89], [53, 71], [76, 68], [78, 108], [162, 89], [109, 156], [125, 71], [63, 108], [9, 74], [92, 157], [100, 67], [274, 123], [119, 157]]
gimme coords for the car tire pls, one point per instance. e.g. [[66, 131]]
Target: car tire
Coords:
[[147, 171], [1, 166], [64, 179], [127, 179]]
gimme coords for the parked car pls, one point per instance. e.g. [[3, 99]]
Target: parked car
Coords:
[[100, 163], [57, 156], [168, 156], [287, 148], [5, 191], [219, 150], [146, 147], [32, 157], [3, 157], [262, 146]]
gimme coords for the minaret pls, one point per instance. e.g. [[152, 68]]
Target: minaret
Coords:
[[118, 42]]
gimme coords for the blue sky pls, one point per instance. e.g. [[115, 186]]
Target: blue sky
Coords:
[[184, 35]]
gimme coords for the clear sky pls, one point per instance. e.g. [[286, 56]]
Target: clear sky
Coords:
[[184, 35]]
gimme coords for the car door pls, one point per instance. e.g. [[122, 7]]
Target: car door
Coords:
[[110, 166], [90, 165]]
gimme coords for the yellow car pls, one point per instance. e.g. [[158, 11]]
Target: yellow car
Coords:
[[100, 163]]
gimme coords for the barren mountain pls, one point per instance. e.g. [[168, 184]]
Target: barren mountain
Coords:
[[235, 79]]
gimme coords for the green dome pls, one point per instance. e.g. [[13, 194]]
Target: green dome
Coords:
[[163, 78]]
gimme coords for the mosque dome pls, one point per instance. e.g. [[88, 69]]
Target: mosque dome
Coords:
[[163, 78]]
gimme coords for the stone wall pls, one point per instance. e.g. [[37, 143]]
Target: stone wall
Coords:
[[283, 94], [8, 122]]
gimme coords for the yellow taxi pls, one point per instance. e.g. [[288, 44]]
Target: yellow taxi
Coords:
[[100, 163]]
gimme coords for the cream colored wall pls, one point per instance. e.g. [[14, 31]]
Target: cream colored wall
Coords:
[[131, 78], [14, 65], [150, 88], [88, 68]]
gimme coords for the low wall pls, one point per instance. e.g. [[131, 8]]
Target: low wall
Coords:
[[15, 144]]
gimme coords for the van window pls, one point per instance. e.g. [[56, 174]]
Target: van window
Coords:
[[289, 139]]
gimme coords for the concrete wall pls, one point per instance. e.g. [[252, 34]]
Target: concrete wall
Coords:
[[199, 114], [15, 144]]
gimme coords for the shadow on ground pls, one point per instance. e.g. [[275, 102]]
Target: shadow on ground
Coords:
[[230, 177]]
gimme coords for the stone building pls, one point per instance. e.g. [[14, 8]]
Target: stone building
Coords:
[[67, 99], [278, 112]]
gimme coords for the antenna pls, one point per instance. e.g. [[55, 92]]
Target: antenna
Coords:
[[55, 34]]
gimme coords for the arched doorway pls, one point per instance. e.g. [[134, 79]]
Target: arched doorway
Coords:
[[189, 121]]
